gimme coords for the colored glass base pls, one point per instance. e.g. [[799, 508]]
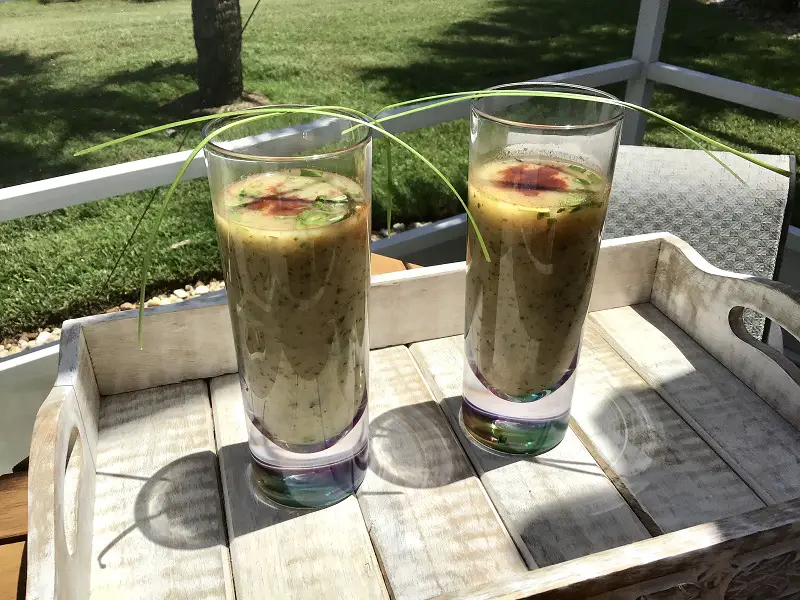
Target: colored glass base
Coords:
[[315, 487], [511, 436], [514, 427], [310, 479]]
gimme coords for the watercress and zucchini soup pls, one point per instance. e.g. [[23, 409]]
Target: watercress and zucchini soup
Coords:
[[295, 254], [541, 219]]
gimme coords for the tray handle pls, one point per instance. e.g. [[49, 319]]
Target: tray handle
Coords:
[[708, 303], [61, 486]]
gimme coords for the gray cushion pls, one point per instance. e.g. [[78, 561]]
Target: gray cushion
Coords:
[[685, 192]]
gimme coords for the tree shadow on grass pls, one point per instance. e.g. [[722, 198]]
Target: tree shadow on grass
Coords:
[[773, 15], [706, 38], [515, 40], [55, 265], [518, 40], [42, 119]]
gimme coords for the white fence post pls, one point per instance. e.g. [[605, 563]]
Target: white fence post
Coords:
[[646, 48]]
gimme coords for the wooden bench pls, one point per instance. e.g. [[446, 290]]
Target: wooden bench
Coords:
[[13, 534]]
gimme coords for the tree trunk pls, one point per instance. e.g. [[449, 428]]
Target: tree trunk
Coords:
[[218, 39]]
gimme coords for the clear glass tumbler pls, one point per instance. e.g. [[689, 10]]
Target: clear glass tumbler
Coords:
[[291, 198], [540, 172]]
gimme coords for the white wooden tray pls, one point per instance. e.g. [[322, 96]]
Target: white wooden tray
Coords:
[[678, 479]]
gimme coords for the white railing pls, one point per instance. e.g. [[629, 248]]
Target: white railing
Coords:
[[646, 50], [641, 72], [107, 182]]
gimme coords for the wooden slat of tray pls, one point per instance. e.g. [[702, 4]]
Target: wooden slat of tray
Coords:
[[76, 371], [432, 525], [558, 506], [283, 553], [708, 304], [661, 466], [395, 301], [167, 336], [158, 521], [746, 557], [759, 444], [13, 507], [175, 346]]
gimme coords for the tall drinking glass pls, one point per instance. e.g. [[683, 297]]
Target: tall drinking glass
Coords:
[[291, 198], [540, 172]]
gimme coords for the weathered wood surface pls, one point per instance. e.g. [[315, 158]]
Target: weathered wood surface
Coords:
[[179, 344], [61, 477], [557, 506], [13, 507], [664, 469], [625, 270], [405, 306], [42, 472], [282, 553], [431, 523], [562, 506], [760, 445], [753, 556], [158, 509], [60, 515], [401, 309], [706, 303], [75, 369]]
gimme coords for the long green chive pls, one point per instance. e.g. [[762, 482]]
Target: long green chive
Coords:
[[376, 124]]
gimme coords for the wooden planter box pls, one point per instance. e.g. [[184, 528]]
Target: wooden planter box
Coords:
[[678, 479]]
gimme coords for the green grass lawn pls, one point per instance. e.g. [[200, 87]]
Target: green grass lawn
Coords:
[[74, 74]]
